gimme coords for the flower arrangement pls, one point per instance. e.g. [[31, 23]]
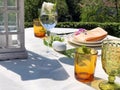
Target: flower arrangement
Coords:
[[48, 7]]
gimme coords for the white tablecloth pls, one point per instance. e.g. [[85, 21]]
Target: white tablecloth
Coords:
[[44, 71]]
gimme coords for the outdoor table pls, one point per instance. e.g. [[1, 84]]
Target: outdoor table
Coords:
[[45, 71]]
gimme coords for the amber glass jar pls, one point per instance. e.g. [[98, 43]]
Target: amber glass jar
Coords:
[[39, 30]]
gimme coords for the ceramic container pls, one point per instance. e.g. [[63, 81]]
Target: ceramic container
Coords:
[[59, 46]]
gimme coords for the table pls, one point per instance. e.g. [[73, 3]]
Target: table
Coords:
[[43, 71]]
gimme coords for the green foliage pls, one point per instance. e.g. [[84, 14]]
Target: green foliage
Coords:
[[84, 50], [78, 10], [52, 1], [28, 24], [69, 53], [100, 11], [31, 9], [48, 41], [63, 13], [74, 9]]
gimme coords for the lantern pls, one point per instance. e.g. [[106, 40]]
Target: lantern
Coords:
[[12, 29]]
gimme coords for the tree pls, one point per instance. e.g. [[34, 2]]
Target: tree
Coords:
[[74, 9], [99, 10], [31, 9], [117, 9]]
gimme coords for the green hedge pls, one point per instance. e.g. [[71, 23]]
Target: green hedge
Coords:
[[111, 28]]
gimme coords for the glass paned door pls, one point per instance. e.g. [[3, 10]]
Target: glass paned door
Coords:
[[11, 3], [13, 41], [1, 3], [12, 22], [12, 29], [2, 41], [2, 28], [9, 24]]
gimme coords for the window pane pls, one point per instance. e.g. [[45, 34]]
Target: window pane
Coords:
[[11, 2], [2, 41], [13, 41], [1, 3], [2, 23], [12, 22]]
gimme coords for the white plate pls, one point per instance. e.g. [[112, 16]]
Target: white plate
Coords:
[[71, 40], [63, 30]]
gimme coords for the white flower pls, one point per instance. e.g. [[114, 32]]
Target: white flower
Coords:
[[47, 7]]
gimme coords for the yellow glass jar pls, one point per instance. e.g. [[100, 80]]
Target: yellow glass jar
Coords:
[[85, 66], [39, 30]]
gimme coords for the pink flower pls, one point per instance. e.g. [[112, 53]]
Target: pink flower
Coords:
[[81, 30]]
